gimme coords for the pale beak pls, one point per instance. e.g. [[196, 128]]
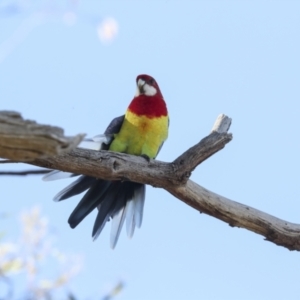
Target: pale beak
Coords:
[[140, 85]]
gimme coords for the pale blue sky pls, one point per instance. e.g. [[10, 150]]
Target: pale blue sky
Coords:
[[240, 58]]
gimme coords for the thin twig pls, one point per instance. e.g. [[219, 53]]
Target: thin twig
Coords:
[[8, 161], [24, 173]]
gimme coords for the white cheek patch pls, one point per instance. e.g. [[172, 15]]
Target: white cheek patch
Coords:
[[149, 90]]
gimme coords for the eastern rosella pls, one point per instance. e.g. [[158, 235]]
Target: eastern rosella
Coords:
[[141, 131]]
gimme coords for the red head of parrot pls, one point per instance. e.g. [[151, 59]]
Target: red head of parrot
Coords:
[[146, 122]]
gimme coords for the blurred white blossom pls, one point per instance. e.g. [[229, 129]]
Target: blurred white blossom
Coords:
[[33, 253], [107, 30]]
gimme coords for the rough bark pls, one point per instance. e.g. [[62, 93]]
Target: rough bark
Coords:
[[24, 139], [174, 177]]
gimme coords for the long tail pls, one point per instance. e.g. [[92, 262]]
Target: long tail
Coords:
[[115, 200]]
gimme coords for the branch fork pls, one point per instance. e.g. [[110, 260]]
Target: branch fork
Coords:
[[61, 153]]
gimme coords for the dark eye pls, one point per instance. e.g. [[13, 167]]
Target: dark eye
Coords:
[[151, 81]]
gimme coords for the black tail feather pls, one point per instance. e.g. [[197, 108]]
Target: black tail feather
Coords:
[[75, 188], [89, 202], [110, 197], [112, 202], [108, 204]]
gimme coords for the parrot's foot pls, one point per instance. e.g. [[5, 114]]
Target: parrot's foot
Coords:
[[146, 157]]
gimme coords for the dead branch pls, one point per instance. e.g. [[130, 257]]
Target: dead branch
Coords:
[[22, 140], [173, 177]]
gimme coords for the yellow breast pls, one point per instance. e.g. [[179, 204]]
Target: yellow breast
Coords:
[[141, 135]]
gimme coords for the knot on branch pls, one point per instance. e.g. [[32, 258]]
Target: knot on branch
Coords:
[[115, 165]]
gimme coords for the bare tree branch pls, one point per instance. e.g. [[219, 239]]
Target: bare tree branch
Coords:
[[173, 177], [24, 140], [275, 230]]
